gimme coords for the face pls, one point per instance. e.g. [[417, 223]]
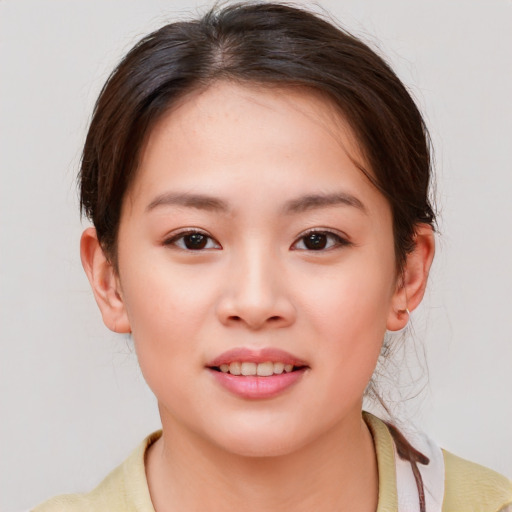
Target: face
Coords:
[[249, 237]]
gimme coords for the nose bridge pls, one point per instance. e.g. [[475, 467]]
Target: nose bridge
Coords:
[[257, 271], [257, 293]]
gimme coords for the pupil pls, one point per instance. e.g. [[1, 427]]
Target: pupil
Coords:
[[195, 241], [316, 241]]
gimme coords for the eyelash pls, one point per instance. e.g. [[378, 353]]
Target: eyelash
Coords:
[[181, 235], [339, 240]]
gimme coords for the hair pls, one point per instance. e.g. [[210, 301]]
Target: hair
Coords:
[[267, 44]]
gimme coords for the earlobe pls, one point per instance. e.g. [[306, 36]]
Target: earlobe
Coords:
[[411, 286], [104, 282]]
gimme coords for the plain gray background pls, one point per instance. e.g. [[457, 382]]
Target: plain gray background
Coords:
[[73, 402]]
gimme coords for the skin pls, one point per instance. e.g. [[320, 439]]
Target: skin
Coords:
[[256, 284]]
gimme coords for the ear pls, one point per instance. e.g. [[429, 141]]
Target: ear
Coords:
[[104, 282], [413, 281]]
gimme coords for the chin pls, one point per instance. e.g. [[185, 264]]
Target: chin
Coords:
[[271, 446], [261, 439]]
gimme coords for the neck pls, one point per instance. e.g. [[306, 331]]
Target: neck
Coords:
[[336, 472]]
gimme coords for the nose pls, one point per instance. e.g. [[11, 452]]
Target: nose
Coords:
[[256, 293]]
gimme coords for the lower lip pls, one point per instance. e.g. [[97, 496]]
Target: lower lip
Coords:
[[254, 387]]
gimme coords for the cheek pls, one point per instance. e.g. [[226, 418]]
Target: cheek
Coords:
[[162, 293], [168, 311], [355, 298], [167, 306], [348, 311]]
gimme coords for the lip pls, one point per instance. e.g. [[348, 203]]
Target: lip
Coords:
[[254, 387], [263, 355]]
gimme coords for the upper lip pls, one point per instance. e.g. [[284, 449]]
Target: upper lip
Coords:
[[250, 355]]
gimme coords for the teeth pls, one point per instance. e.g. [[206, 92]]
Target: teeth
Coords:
[[249, 368], [235, 368], [265, 369], [278, 368]]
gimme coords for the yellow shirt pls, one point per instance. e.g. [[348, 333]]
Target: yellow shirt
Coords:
[[469, 487]]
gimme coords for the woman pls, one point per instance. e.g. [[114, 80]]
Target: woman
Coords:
[[258, 182]]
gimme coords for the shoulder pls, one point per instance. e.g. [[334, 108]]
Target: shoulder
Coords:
[[471, 487], [451, 484], [124, 490], [109, 495]]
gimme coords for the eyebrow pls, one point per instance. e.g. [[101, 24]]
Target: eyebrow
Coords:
[[199, 201], [215, 204], [314, 201]]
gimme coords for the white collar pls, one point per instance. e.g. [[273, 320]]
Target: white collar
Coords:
[[432, 475]]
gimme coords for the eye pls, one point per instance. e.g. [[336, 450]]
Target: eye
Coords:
[[320, 241], [192, 241]]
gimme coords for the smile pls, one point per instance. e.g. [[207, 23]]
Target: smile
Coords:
[[265, 369], [257, 374]]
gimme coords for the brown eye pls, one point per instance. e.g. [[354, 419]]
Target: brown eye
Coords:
[[319, 241], [195, 241], [315, 241], [192, 241]]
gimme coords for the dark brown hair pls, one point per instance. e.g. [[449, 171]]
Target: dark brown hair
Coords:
[[263, 43], [269, 44]]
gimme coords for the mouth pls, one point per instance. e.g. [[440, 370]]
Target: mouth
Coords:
[[249, 368], [259, 374]]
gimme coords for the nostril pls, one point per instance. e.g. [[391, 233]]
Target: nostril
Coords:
[[256, 323]]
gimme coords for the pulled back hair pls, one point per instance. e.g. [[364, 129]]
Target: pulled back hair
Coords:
[[269, 44]]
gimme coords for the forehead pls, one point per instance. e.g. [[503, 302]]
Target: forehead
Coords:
[[260, 109], [230, 135]]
